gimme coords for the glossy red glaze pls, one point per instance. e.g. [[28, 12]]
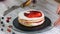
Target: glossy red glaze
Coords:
[[33, 14]]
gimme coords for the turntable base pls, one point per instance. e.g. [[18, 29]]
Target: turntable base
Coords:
[[34, 28]]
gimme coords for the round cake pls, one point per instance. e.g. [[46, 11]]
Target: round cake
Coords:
[[31, 18]]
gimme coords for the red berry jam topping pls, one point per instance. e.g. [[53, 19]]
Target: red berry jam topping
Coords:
[[7, 20], [10, 26], [8, 30], [8, 17], [33, 14]]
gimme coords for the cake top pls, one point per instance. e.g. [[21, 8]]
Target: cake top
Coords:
[[31, 14]]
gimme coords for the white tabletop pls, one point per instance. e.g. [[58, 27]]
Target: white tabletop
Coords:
[[55, 30]]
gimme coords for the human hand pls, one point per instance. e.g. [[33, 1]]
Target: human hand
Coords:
[[57, 22], [58, 10]]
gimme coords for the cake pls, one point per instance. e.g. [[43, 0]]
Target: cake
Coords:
[[31, 18]]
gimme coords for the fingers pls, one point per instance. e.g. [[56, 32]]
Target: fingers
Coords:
[[57, 22], [58, 10]]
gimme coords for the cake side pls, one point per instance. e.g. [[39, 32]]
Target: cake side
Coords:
[[32, 19]]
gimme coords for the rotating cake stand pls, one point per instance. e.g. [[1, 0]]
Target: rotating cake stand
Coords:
[[9, 28]]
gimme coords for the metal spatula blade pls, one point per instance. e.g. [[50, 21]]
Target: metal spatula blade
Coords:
[[10, 10]]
